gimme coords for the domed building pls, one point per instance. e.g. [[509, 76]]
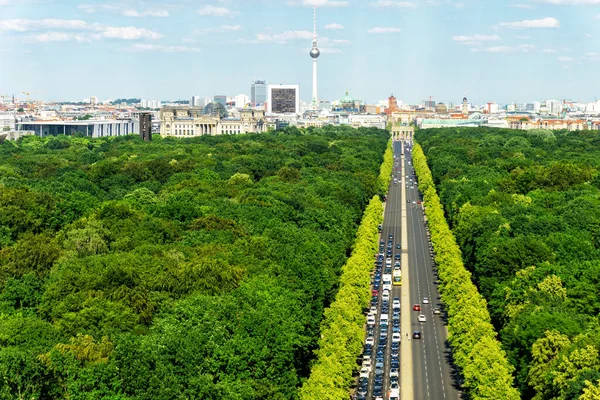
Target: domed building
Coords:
[[347, 103], [215, 109], [441, 108]]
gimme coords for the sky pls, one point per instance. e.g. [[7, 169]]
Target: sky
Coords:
[[487, 50]]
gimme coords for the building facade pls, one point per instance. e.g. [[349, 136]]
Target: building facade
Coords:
[[258, 92], [190, 122], [283, 99], [7, 121], [89, 128], [221, 99]]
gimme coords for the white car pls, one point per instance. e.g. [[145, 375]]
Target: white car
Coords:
[[370, 340], [385, 296], [368, 365], [364, 373], [425, 300], [371, 320], [395, 303], [388, 261], [422, 318], [396, 337], [373, 310], [394, 372]]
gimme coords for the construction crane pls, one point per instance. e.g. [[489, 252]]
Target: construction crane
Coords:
[[27, 94]]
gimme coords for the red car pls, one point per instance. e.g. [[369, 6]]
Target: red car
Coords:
[[374, 292], [417, 307]]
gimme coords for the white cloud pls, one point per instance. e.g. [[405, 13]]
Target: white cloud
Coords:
[[523, 6], [565, 59], [318, 3], [522, 48], [334, 26], [216, 11], [87, 8], [532, 23], [60, 37], [161, 48], [475, 39], [393, 4], [283, 38], [149, 13], [53, 30], [522, 37], [548, 51], [26, 25], [129, 33], [379, 29]]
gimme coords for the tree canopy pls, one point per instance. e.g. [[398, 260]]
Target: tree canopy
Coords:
[[525, 209], [177, 268]]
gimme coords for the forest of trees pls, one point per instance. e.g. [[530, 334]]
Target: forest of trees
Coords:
[[525, 209], [177, 268]]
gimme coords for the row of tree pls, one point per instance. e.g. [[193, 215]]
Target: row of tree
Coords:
[[524, 207], [483, 364], [342, 330], [385, 172], [343, 327]]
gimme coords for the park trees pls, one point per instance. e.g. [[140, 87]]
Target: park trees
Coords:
[[525, 210]]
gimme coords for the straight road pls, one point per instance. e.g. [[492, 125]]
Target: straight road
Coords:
[[431, 358], [425, 364]]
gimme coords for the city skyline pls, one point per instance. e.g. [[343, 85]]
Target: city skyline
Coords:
[[513, 51]]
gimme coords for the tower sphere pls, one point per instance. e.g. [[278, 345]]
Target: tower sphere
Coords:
[[314, 52]]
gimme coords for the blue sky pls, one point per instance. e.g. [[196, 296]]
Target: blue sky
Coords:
[[492, 50]]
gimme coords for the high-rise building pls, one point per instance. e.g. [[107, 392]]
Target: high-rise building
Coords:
[[241, 101], [195, 101], [283, 99], [220, 99], [465, 106], [314, 54], [146, 126], [258, 92], [93, 100]]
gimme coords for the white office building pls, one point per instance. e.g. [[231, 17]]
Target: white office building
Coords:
[[195, 101], [7, 120], [241, 100]]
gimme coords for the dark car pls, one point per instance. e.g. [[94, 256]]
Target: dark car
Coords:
[[377, 390], [416, 335], [398, 246], [397, 256]]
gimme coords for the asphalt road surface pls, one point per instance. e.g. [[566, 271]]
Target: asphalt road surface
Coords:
[[425, 364]]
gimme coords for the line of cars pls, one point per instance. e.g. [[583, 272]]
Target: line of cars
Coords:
[[381, 321]]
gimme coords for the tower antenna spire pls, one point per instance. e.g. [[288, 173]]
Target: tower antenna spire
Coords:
[[315, 23]]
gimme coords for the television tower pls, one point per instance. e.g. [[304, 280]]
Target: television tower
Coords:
[[314, 53]]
